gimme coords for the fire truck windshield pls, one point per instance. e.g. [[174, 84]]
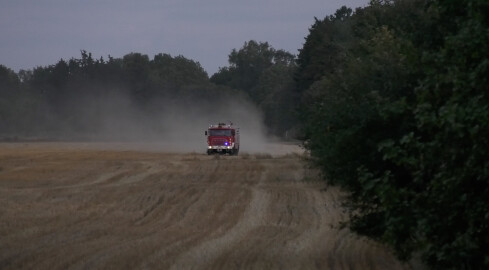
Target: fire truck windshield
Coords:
[[219, 132]]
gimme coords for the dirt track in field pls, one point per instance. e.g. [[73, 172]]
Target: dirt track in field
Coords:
[[82, 206]]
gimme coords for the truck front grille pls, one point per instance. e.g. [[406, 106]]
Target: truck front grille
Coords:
[[219, 142]]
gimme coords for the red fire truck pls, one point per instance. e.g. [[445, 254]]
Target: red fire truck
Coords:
[[223, 139]]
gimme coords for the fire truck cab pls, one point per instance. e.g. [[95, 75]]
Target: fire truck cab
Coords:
[[222, 139]]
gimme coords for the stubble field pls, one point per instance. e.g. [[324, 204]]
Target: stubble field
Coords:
[[105, 206]]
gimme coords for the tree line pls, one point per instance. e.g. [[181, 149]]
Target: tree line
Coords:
[[390, 100], [395, 106], [71, 97], [65, 98]]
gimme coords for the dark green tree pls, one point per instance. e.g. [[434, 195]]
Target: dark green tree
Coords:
[[9, 89], [266, 76], [170, 74], [401, 122], [325, 48]]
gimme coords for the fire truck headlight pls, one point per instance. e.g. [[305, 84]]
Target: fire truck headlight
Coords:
[[209, 147]]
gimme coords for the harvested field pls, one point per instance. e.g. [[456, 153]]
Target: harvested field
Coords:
[[97, 206]]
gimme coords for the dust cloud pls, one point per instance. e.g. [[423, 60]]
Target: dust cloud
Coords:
[[175, 125]]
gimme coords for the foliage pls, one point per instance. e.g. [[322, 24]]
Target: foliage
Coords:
[[395, 106], [266, 76], [67, 97], [72, 98]]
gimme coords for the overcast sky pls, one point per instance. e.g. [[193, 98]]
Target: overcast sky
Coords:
[[41, 32]]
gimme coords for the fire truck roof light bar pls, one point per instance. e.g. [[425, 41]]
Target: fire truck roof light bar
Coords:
[[222, 125]]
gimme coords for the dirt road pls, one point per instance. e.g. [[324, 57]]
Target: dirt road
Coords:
[[80, 206]]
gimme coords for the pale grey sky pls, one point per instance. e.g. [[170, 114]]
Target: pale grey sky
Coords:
[[41, 32]]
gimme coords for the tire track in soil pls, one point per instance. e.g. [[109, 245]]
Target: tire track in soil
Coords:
[[208, 251]]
